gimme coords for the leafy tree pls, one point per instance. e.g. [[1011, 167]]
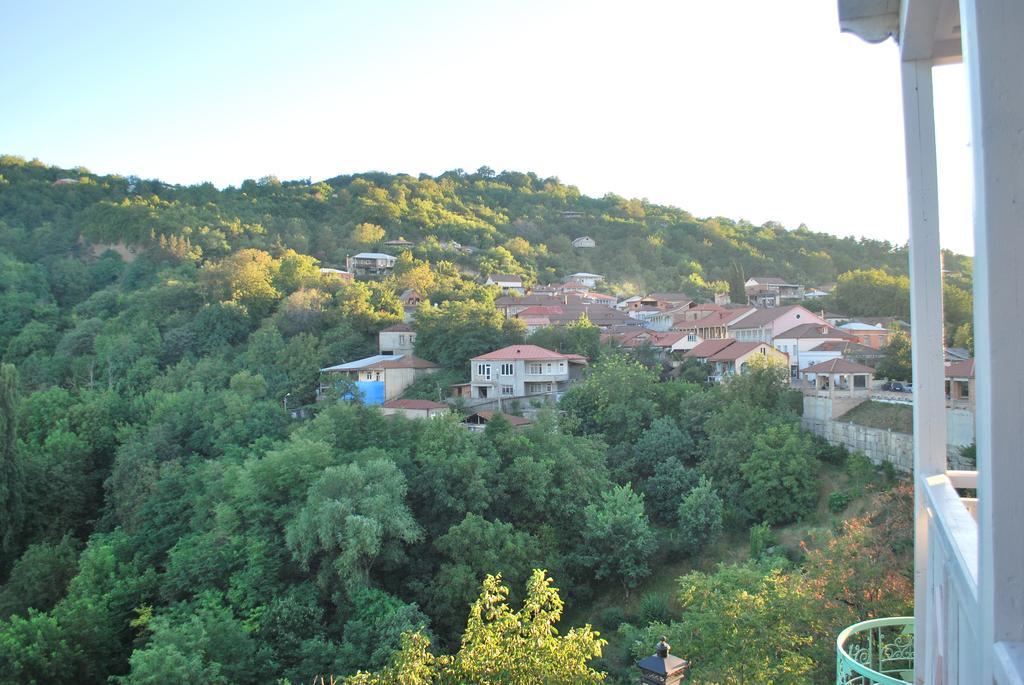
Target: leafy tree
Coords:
[[455, 332], [501, 645], [353, 515], [663, 441], [578, 337], [39, 578], [617, 399], [780, 475], [470, 549], [873, 292], [963, 337], [896, 364], [700, 517], [367, 234], [617, 537], [12, 511], [665, 490]]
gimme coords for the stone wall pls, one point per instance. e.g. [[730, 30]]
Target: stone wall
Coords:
[[878, 444], [885, 445]]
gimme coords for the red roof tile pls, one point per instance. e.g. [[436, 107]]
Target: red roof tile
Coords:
[[838, 365], [708, 348], [526, 352], [961, 369], [735, 351]]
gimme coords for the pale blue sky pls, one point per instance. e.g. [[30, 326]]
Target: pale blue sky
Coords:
[[747, 109]]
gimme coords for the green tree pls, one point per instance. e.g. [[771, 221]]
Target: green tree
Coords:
[[455, 332], [700, 518], [354, 514], [617, 399], [616, 537], [501, 645], [367, 234], [896, 364], [12, 486], [781, 475]]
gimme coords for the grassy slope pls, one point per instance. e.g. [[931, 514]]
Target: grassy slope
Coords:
[[896, 417]]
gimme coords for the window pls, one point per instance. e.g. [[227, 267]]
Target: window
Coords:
[[764, 351], [536, 368], [484, 371], [692, 337], [506, 369], [401, 339], [508, 390], [549, 367]]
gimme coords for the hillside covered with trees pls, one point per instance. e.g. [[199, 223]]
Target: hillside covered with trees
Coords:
[[164, 518]]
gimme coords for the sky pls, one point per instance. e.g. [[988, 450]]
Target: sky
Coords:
[[740, 108]]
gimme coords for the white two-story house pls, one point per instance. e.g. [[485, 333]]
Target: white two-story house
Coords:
[[522, 371]]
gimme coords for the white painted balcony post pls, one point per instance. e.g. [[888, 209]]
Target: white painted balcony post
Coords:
[[992, 34], [926, 343]]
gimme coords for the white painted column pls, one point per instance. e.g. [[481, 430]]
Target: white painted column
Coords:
[[993, 49], [926, 342]]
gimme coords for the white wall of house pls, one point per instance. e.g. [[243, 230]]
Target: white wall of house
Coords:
[[396, 342], [516, 378]]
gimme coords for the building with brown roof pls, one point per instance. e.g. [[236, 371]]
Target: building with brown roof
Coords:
[[839, 378], [415, 409], [478, 421], [764, 325], [726, 356], [798, 341], [960, 389], [522, 371], [376, 379], [397, 339]]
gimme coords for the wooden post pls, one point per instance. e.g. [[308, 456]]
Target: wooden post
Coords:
[[926, 344], [993, 50]]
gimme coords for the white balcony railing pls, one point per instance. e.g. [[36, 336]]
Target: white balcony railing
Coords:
[[954, 632]]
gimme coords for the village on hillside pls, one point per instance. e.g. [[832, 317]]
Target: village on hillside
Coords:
[[830, 357]]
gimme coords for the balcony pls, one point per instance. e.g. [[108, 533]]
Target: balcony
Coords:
[[876, 652]]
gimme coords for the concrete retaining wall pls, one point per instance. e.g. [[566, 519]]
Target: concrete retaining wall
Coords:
[[879, 445]]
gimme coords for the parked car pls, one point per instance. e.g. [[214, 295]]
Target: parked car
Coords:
[[893, 386], [908, 387]]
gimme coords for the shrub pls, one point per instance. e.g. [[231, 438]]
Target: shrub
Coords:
[[762, 540], [612, 617], [860, 469], [700, 517], [838, 501], [655, 607]]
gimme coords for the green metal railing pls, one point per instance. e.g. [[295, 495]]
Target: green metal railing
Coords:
[[876, 652]]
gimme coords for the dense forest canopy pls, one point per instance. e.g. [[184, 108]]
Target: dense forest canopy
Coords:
[[163, 518]]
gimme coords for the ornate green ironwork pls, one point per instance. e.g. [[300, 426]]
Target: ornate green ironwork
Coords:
[[876, 652]]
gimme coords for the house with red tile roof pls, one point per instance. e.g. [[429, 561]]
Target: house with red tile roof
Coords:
[[522, 371], [728, 357], [798, 341], [712, 324], [764, 325]]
